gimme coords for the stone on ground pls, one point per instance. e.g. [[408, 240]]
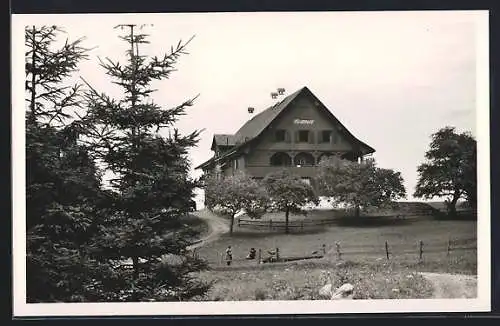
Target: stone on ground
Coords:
[[346, 291], [326, 291]]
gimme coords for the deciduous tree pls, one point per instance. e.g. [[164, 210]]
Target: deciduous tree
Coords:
[[235, 194], [288, 193], [450, 168], [359, 185]]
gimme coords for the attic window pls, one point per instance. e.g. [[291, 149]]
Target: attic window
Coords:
[[280, 135], [303, 136], [326, 136]]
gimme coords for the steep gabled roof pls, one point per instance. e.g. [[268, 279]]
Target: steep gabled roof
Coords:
[[255, 126], [363, 147]]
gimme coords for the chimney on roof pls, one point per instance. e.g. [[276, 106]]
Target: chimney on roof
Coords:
[[274, 95], [281, 91], [250, 110]]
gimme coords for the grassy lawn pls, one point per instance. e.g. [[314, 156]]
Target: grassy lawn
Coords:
[[301, 281], [356, 242], [363, 260]]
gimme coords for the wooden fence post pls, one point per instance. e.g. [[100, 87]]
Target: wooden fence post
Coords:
[[302, 225], [277, 254], [259, 261], [270, 224], [448, 249], [421, 251], [238, 220], [339, 254], [221, 258], [387, 250], [323, 247]]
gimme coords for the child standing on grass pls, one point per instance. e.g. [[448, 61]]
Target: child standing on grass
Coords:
[[229, 255]]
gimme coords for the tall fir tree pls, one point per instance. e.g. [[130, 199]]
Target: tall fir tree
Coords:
[[62, 183], [152, 188]]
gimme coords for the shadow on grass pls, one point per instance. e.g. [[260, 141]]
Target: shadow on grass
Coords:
[[199, 226], [458, 217], [255, 233], [371, 221]]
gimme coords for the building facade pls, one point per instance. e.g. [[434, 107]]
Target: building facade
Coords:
[[295, 134]]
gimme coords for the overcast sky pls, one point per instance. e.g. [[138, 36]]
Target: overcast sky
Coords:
[[392, 78]]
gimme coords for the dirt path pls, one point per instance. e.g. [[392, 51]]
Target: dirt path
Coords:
[[216, 225], [456, 286]]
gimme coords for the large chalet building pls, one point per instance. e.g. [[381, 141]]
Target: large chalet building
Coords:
[[294, 134]]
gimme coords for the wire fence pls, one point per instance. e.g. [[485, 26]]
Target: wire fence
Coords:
[[339, 251]]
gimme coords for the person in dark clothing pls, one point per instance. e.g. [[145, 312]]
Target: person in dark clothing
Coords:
[[229, 255], [251, 254]]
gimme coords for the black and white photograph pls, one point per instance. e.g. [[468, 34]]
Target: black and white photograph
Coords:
[[250, 163]]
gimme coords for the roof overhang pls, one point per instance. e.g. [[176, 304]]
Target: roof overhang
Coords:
[[236, 151]]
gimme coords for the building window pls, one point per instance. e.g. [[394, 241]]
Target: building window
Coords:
[[280, 135], [235, 164], [303, 159], [280, 159], [303, 136], [307, 181], [326, 136]]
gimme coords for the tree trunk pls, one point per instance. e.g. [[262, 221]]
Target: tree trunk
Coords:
[[232, 224], [452, 209], [287, 213], [32, 116], [135, 264], [357, 211]]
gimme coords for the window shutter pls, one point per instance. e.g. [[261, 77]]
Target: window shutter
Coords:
[[296, 136], [311, 136], [287, 136], [319, 136]]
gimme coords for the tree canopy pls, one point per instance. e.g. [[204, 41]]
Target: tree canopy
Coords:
[[235, 194], [152, 187], [289, 193], [450, 168], [62, 181], [359, 185], [81, 235]]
